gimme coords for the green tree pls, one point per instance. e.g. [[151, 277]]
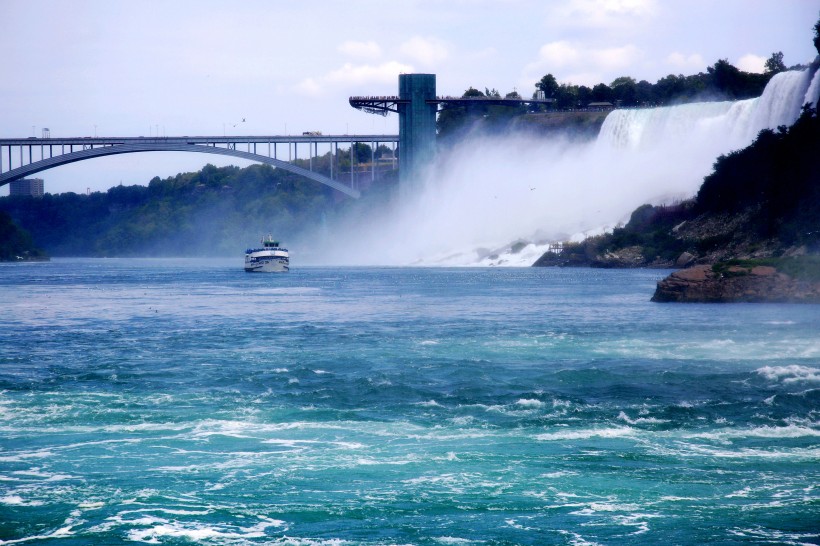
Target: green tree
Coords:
[[549, 85], [602, 93], [566, 96], [625, 90], [16, 243], [645, 93], [452, 119], [584, 95], [817, 36], [775, 63]]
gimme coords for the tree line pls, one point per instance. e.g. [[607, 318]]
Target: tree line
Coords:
[[209, 212], [720, 81]]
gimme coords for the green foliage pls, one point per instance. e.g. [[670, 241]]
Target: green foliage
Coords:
[[720, 81], [602, 93], [775, 64], [798, 267], [650, 227], [817, 36], [778, 173], [452, 119], [15, 243], [215, 211], [549, 85]]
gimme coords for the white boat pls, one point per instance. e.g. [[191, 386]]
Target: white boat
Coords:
[[271, 258]]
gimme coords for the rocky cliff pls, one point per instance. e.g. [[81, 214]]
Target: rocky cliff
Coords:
[[736, 283]]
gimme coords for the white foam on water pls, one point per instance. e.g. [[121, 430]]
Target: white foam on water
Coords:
[[789, 431], [559, 474], [576, 539], [641, 420], [585, 434], [743, 493], [674, 498], [775, 536], [17, 500], [26, 455], [775, 453], [159, 528], [793, 373], [169, 511], [530, 403]]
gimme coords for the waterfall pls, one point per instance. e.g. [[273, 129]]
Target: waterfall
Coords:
[[490, 197], [813, 93], [723, 125]]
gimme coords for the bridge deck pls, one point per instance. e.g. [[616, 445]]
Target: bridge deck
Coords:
[[224, 139], [54, 152]]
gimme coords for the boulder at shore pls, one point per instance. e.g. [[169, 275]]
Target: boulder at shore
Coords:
[[736, 283]]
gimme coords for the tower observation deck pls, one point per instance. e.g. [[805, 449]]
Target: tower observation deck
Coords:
[[417, 105]]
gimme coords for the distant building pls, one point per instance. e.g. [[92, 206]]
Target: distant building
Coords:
[[27, 186]]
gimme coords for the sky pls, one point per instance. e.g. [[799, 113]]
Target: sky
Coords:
[[201, 67]]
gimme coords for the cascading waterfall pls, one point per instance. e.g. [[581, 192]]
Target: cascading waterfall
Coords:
[[489, 194], [813, 93], [735, 123]]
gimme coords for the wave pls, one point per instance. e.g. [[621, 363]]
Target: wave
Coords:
[[160, 528], [789, 431], [790, 374], [585, 434]]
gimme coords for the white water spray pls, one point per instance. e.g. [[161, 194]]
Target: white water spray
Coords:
[[489, 194]]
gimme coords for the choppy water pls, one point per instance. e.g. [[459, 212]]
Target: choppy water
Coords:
[[187, 402]]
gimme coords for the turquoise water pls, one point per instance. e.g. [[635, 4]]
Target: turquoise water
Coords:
[[187, 402]]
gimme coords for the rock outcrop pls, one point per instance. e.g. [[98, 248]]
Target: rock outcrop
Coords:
[[737, 283]]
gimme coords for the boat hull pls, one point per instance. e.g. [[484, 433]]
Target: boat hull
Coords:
[[271, 258], [267, 265]]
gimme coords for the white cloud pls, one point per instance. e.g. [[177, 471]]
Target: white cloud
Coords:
[[681, 61], [558, 54], [583, 78], [615, 58], [425, 51], [752, 63], [362, 50], [605, 13], [352, 75], [310, 87], [573, 63]]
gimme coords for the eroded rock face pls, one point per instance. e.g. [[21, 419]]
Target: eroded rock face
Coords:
[[739, 284]]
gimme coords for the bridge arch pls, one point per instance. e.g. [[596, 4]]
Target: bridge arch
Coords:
[[134, 147]]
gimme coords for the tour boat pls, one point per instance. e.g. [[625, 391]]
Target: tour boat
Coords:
[[271, 258]]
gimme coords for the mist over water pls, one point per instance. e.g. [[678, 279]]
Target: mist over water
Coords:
[[487, 194]]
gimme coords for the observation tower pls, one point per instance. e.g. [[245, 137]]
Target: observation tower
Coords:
[[416, 105]]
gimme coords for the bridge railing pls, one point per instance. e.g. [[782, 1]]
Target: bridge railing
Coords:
[[54, 152]]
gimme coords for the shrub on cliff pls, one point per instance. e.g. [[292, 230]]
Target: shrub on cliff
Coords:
[[780, 174]]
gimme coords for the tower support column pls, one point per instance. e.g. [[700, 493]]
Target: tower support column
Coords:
[[417, 127]]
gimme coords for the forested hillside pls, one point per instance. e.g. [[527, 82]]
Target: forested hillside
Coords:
[[16, 244], [211, 212]]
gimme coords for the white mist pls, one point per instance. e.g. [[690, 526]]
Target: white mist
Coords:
[[488, 194]]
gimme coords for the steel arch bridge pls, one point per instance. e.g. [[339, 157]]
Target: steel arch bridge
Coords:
[[62, 151]]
